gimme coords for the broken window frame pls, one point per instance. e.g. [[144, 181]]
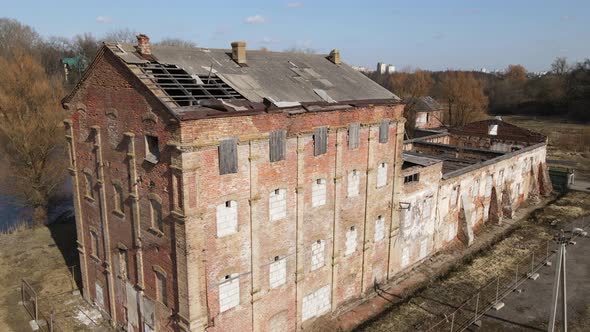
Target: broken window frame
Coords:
[[412, 178], [152, 149]]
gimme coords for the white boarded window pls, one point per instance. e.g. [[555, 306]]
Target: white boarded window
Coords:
[[277, 204], [379, 229], [350, 241], [407, 216], [99, 295], [229, 292], [488, 189], [381, 175], [227, 218], [405, 257], [316, 303], [427, 208], [354, 180], [318, 192], [451, 235], [318, 254], [475, 188], [423, 248], [278, 272]]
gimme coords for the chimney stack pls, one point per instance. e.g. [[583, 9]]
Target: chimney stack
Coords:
[[143, 45], [335, 56], [238, 52]]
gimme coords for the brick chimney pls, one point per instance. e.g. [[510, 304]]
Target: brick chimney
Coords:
[[335, 56], [238, 52], [143, 45]]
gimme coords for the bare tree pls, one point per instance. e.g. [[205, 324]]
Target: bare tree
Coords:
[[31, 132], [15, 35], [86, 45], [465, 98], [177, 42], [559, 66], [120, 36]]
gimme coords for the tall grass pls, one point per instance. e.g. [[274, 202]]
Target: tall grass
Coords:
[[15, 228]]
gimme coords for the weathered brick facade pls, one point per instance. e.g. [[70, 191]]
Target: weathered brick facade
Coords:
[[250, 250]]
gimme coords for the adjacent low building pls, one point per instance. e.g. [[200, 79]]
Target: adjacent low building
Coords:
[[226, 189]]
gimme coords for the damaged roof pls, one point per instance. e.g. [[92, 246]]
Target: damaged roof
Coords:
[[425, 104], [186, 77], [505, 131]]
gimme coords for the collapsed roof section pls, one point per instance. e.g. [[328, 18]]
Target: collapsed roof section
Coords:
[[204, 82]]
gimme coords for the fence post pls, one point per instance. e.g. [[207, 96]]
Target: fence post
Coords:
[[476, 307], [51, 321], [533, 264], [497, 287], [452, 321], [36, 307]]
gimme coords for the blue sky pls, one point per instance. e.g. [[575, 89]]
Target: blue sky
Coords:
[[428, 34]]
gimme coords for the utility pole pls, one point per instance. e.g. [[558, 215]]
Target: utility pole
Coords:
[[559, 282]]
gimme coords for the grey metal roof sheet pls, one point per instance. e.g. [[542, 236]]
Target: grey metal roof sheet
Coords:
[[284, 77]]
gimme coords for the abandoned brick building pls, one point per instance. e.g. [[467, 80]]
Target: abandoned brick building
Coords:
[[227, 190], [428, 112]]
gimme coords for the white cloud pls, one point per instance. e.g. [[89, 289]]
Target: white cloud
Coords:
[[103, 19], [256, 19], [295, 4]]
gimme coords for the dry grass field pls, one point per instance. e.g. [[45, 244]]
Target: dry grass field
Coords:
[[567, 141]]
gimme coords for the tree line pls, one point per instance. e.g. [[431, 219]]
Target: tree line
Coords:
[[468, 96]]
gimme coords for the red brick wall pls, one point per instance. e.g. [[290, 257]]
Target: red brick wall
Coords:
[[117, 104]]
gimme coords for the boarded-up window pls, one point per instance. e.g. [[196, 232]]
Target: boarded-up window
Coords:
[[384, 131], [320, 141], [277, 145], [228, 156], [354, 130]]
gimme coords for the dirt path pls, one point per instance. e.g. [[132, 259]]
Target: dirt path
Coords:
[[416, 311]]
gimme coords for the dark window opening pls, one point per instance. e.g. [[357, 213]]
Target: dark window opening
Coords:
[[412, 178], [152, 150]]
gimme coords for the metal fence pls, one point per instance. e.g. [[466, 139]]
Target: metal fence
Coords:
[[30, 300], [494, 291]]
